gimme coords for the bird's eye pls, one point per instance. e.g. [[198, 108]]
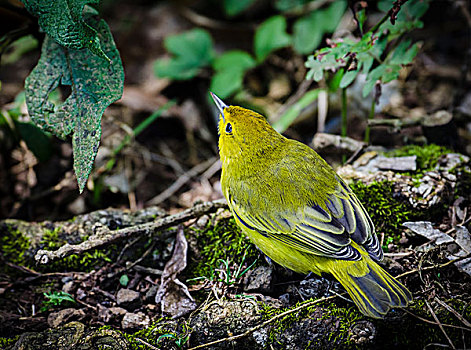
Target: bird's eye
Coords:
[[228, 128]]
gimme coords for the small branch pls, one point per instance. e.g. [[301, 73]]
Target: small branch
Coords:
[[146, 343], [433, 267], [106, 237], [431, 322], [439, 324], [263, 324], [182, 180], [453, 311]]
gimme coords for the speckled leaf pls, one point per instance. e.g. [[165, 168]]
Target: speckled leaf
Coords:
[[94, 85], [62, 20]]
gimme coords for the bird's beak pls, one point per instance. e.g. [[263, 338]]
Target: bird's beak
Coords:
[[220, 105]]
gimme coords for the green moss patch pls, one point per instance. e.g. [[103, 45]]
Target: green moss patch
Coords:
[[222, 241], [326, 318], [13, 244], [427, 155]]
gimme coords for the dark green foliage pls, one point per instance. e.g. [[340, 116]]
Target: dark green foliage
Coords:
[[309, 29], [36, 140], [234, 7], [56, 299], [270, 35], [230, 69], [95, 83], [191, 50], [352, 57], [62, 21]]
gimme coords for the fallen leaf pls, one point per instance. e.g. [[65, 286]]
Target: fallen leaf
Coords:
[[173, 295]]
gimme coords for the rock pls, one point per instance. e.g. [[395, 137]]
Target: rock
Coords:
[[151, 292], [73, 335], [110, 315], [56, 319], [362, 332], [218, 317], [425, 229], [313, 287], [259, 279], [68, 287], [135, 321], [128, 299]]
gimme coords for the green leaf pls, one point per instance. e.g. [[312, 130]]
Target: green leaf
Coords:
[[236, 60], [372, 78], [403, 54], [361, 16], [309, 30], [191, 51], [36, 140], [334, 82], [334, 14], [63, 21], [286, 5], [348, 78], [234, 7], [270, 36], [226, 82], [94, 84], [124, 280], [293, 112], [230, 69]]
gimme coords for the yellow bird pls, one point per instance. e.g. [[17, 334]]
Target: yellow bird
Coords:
[[299, 212]]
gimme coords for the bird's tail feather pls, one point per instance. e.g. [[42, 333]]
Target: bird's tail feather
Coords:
[[374, 292]]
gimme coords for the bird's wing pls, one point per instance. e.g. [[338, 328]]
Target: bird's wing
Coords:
[[317, 228]]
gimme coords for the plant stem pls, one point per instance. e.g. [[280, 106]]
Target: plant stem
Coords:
[[343, 131], [370, 116]]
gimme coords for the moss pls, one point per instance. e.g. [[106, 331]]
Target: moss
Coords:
[[222, 241], [163, 333], [389, 209], [427, 155], [13, 246], [386, 209], [6, 342], [331, 319], [88, 261]]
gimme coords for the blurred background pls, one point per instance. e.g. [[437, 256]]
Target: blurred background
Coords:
[[159, 141]]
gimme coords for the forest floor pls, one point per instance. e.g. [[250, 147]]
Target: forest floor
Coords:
[[168, 268]]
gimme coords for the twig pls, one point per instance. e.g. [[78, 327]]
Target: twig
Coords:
[[106, 237], [434, 266], [397, 255], [263, 324], [439, 324], [431, 322], [183, 179], [131, 265], [453, 311], [104, 292], [146, 343]]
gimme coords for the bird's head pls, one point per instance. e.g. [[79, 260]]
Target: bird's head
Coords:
[[243, 132]]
